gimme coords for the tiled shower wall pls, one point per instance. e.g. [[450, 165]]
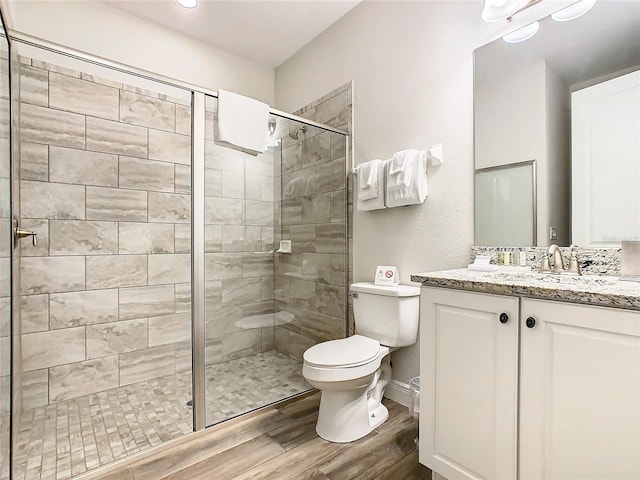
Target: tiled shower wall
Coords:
[[239, 237], [310, 282], [5, 262], [105, 182]]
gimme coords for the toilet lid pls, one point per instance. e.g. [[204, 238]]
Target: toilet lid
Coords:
[[346, 352]]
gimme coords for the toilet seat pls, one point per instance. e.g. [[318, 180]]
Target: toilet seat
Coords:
[[347, 352]]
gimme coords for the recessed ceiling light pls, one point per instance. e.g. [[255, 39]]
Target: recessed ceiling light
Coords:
[[573, 11], [188, 3], [522, 34]]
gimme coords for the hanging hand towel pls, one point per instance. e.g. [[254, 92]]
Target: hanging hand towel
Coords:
[[242, 122], [407, 178], [371, 188], [368, 179]]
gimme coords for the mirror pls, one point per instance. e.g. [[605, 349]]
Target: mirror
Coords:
[[523, 96]]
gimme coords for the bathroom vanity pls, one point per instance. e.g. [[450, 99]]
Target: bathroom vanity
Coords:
[[529, 376]]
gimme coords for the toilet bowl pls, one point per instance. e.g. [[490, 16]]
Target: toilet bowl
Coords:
[[346, 371], [353, 372]]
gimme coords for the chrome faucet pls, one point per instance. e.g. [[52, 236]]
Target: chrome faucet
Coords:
[[558, 263]]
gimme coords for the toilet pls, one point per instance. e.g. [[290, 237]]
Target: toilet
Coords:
[[352, 372]]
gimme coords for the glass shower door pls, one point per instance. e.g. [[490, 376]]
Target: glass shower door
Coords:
[[265, 305], [5, 259]]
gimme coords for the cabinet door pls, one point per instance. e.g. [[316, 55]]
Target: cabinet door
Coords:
[[468, 369], [579, 392]]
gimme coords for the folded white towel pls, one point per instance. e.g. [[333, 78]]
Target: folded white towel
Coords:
[[242, 122], [407, 185], [368, 179], [376, 202]]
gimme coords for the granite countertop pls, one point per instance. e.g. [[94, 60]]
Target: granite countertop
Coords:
[[597, 290]]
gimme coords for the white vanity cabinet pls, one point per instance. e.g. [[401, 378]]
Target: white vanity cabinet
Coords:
[[469, 383], [579, 392], [553, 393]]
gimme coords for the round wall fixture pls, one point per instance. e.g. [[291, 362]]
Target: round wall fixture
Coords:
[[522, 34], [188, 3], [573, 11]]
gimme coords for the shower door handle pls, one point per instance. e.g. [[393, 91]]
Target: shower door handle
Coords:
[[22, 233]]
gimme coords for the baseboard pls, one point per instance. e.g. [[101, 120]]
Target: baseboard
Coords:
[[398, 392]]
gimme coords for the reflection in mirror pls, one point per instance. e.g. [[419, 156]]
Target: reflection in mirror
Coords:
[[523, 96]]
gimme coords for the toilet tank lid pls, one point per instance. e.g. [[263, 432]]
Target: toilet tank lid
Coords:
[[391, 291]]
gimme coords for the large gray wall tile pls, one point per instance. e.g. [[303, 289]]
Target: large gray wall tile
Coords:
[[77, 237], [241, 238], [213, 182], [41, 227], [35, 389], [145, 238], [116, 204], [219, 266], [259, 213], [81, 96], [330, 176], [52, 274], [330, 238], [182, 179], [35, 313], [48, 349], [223, 158], [116, 271], [169, 207], [34, 85], [333, 111], [257, 264], [172, 268], [241, 344], [116, 337], [34, 161], [78, 379], [140, 174], [69, 165], [114, 137], [138, 302], [226, 211], [147, 112], [168, 329], [51, 200], [169, 147], [54, 127], [240, 291], [183, 120], [183, 297], [75, 309], [147, 364], [182, 238]]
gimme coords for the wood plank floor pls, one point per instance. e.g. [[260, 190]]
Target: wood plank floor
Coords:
[[280, 443]]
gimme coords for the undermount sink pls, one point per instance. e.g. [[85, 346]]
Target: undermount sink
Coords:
[[554, 278]]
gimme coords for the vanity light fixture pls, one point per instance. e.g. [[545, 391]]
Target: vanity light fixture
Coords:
[[496, 10], [573, 11], [522, 34], [188, 3]]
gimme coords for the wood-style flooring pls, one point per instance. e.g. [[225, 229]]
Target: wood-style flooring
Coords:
[[280, 443]]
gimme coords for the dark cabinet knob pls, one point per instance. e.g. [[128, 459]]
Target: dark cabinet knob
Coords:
[[504, 318], [530, 322]]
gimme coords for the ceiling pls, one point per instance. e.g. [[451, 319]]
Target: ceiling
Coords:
[[265, 31]]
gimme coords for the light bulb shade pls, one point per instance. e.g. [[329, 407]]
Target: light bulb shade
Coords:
[[188, 3], [496, 10], [573, 11], [522, 34]]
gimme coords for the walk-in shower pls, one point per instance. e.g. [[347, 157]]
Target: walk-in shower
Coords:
[[155, 301]]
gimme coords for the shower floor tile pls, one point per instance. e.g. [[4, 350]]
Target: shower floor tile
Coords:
[[60, 441]]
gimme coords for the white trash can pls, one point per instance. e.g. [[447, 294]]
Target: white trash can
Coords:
[[414, 395]]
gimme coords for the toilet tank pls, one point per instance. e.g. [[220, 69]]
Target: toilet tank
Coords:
[[388, 314]]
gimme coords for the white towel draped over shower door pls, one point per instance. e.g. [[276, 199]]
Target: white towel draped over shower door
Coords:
[[407, 178], [242, 122]]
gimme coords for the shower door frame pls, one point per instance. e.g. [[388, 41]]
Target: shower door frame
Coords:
[[198, 94]]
